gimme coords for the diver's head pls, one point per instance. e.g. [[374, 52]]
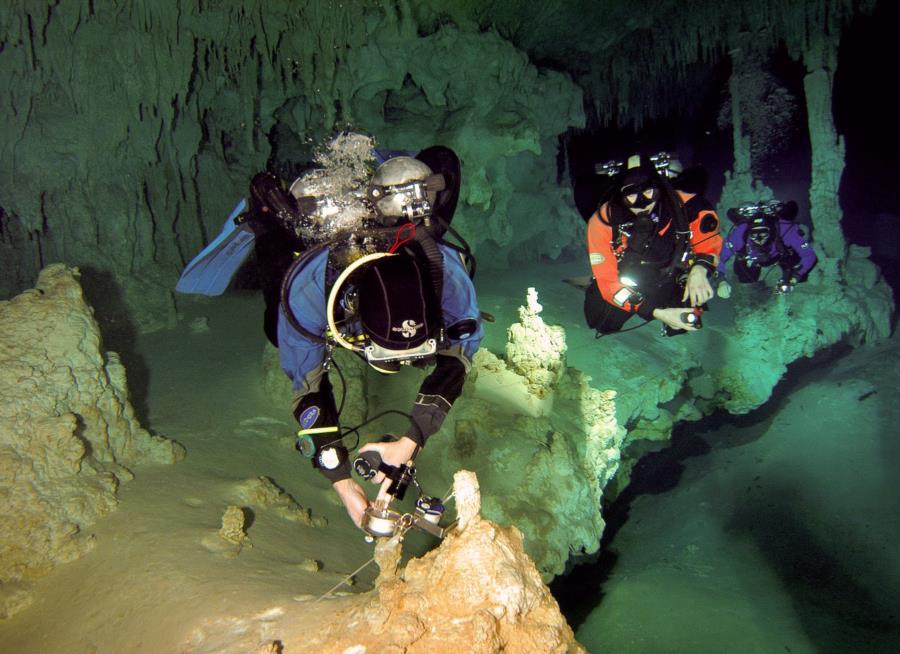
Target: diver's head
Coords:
[[398, 311], [760, 232], [404, 188], [639, 187]]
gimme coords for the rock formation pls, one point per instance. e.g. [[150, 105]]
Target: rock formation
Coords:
[[534, 350], [68, 434], [478, 592], [264, 494]]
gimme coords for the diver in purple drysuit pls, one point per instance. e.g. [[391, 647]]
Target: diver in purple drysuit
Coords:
[[761, 240]]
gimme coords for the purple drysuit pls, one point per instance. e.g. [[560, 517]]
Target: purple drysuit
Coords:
[[793, 252]]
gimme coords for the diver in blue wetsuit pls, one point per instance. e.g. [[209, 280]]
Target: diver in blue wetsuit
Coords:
[[408, 301]]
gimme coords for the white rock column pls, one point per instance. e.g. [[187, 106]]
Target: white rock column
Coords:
[[827, 151]]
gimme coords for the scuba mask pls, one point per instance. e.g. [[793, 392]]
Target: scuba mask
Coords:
[[640, 198], [761, 230], [760, 236], [639, 187]]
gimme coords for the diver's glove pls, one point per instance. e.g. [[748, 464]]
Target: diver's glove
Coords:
[[785, 286], [724, 290]]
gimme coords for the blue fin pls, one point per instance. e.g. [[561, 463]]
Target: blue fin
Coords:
[[210, 272], [381, 154]]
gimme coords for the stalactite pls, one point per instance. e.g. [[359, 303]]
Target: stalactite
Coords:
[[186, 77], [677, 40]]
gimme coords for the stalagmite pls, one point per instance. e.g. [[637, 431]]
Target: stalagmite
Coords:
[[68, 433], [234, 525], [535, 350]]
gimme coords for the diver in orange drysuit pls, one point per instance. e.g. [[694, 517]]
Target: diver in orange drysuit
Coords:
[[651, 248]]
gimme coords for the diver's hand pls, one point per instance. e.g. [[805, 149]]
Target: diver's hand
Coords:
[[395, 453], [697, 288], [672, 317], [724, 290], [354, 499]]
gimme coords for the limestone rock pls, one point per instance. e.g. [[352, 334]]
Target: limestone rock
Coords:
[[477, 592], [276, 384], [234, 525], [264, 493], [14, 597], [544, 470], [199, 325], [535, 350], [68, 434]]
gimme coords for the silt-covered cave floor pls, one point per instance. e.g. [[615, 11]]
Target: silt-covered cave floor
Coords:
[[771, 532], [151, 578]]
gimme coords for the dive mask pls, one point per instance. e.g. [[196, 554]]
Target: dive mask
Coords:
[[640, 197]]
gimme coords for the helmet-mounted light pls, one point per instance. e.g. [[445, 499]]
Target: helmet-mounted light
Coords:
[[666, 165], [609, 168]]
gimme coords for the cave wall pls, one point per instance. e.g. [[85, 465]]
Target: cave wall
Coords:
[[134, 126]]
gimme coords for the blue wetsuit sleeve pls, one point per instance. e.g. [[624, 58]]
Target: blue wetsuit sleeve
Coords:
[[302, 359], [300, 356], [459, 303]]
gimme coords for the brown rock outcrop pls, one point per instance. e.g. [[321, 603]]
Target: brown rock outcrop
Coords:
[[476, 593], [67, 430]]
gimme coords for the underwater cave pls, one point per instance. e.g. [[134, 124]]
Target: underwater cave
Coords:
[[654, 247]]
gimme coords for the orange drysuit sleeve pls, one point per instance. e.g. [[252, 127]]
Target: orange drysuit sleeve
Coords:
[[603, 260], [706, 241]]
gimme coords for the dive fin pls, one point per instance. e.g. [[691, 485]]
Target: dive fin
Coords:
[[382, 154], [210, 272], [578, 282]]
